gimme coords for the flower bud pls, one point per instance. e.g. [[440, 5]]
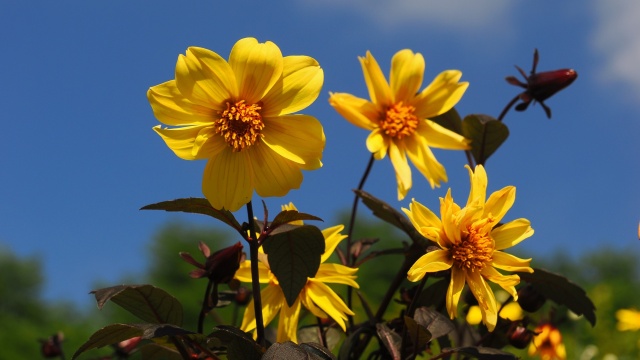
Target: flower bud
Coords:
[[52, 347], [519, 336], [530, 299]]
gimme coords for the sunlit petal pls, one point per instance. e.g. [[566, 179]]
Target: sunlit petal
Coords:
[[298, 87], [485, 297], [180, 140], [329, 302], [257, 67], [379, 90], [288, 322], [402, 169], [332, 237], [508, 262], [455, 290], [478, 192], [337, 274], [407, 70], [273, 175], [272, 300], [360, 112], [378, 143], [433, 261], [226, 181], [423, 159], [507, 282], [298, 138], [441, 95], [438, 136], [244, 272], [171, 108], [511, 233]]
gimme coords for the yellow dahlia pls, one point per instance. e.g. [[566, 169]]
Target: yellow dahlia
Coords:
[[471, 243], [547, 344], [316, 296], [628, 319], [398, 115], [239, 115]]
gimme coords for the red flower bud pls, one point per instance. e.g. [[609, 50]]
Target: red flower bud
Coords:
[[530, 299], [519, 336], [52, 347]]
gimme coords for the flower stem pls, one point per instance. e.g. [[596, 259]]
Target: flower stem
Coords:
[[508, 107], [323, 336], [205, 306], [255, 280]]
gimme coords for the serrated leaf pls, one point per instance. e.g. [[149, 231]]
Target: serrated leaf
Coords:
[[437, 324], [450, 120], [419, 335], [239, 345], [484, 353], [196, 206], [293, 257], [287, 216], [148, 303], [486, 135], [560, 290], [391, 340]]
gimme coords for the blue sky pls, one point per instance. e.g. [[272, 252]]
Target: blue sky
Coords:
[[79, 157]]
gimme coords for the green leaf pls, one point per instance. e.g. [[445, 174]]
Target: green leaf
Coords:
[[287, 216], [437, 324], [484, 353], [434, 294], [311, 334], [419, 335], [560, 290], [486, 135], [196, 206], [317, 351], [293, 257], [289, 350], [239, 345], [450, 120], [159, 352], [149, 303]]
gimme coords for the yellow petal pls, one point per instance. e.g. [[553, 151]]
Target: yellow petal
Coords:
[[423, 159], [448, 213], [440, 137], [299, 86], [485, 297], [508, 262], [208, 144], [454, 291], [329, 302], [226, 181], [432, 261], [507, 282], [180, 140], [272, 300], [500, 202], [379, 90], [298, 138], [512, 311], [288, 322], [360, 112], [257, 67], [332, 237], [401, 166], [378, 143], [407, 70], [201, 84], [440, 96], [478, 192], [337, 274], [171, 108], [244, 272], [426, 222], [474, 316], [273, 175], [511, 233]]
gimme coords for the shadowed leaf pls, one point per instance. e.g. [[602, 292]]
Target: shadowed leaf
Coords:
[[391, 340], [437, 324], [287, 216], [419, 335], [484, 353], [450, 120], [293, 257], [311, 334], [159, 352], [196, 206], [149, 303], [434, 294], [561, 291], [239, 345], [486, 135], [289, 350]]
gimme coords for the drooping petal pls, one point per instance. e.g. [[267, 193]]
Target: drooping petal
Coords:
[[171, 108], [332, 237], [478, 192], [329, 302], [507, 282], [226, 181], [298, 138], [433, 261], [201, 84], [337, 274], [180, 140], [244, 272], [508, 262], [423, 159], [440, 137], [360, 112], [485, 297], [440, 96], [455, 290], [299, 86], [272, 300], [378, 144], [288, 322], [500, 202], [448, 212], [426, 222], [511, 233], [257, 67], [273, 175], [379, 90], [407, 70], [401, 166], [308, 303]]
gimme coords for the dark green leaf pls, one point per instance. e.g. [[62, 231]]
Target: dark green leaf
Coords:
[[317, 351], [196, 206], [419, 335], [239, 345], [484, 353], [351, 342], [149, 303], [391, 340], [486, 135], [286, 350], [434, 294], [287, 216], [311, 334], [560, 290], [159, 352], [293, 257], [450, 120], [437, 324]]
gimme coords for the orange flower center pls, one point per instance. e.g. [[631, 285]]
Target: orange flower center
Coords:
[[240, 124], [475, 249], [399, 121]]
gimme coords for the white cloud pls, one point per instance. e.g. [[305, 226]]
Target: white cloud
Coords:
[[617, 40]]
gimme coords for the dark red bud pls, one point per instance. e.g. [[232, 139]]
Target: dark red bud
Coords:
[[222, 265], [52, 347], [124, 348], [530, 299], [519, 336], [243, 295], [543, 85]]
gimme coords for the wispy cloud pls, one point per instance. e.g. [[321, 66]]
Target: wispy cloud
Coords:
[[616, 38]]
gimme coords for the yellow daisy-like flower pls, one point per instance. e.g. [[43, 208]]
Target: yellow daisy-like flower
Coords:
[[628, 319], [398, 115], [239, 115], [547, 344], [471, 244], [316, 296]]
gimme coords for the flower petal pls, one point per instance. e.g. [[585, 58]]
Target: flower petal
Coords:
[[485, 297], [288, 322], [272, 300], [507, 282], [449, 212], [432, 261], [508, 262], [332, 237], [257, 67], [273, 175], [379, 90], [511, 233], [423, 159], [407, 70], [455, 290], [479, 181], [378, 144], [329, 302], [360, 112], [208, 144], [401, 166], [180, 140], [243, 273], [425, 221], [171, 108], [440, 137], [440, 96], [500, 202], [337, 274], [299, 87], [299, 138], [226, 181]]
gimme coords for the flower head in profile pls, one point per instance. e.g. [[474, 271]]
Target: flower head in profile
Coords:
[[316, 296], [471, 244], [628, 320], [239, 115], [547, 344], [398, 114]]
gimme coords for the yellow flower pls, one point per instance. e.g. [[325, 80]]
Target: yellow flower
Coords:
[[511, 311], [316, 296], [471, 244], [628, 319], [548, 343], [239, 115], [398, 115]]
